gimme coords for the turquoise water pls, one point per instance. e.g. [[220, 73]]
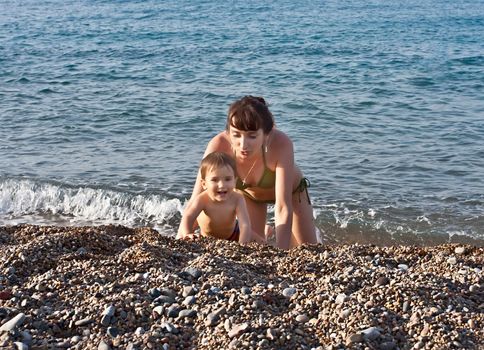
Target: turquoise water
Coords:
[[106, 107]]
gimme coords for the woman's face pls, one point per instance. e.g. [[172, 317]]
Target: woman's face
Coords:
[[246, 144]]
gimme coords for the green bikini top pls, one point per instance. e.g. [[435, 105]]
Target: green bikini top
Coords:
[[268, 179]]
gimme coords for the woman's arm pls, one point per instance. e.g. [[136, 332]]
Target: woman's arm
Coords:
[[284, 182], [244, 220]]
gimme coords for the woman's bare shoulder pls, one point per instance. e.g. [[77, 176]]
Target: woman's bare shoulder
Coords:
[[278, 139], [219, 143]]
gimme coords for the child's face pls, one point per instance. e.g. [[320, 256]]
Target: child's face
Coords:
[[219, 183]]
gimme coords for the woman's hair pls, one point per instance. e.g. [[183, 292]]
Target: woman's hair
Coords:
[[250, 113], [216, 160]]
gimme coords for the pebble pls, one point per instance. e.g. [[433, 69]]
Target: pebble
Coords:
[[14, 322], [103, 346], [187, 313], [452, 260], [382, 281], [189, 300], [113, 332], [289, 292], [189, 290], [302, 318], [459, 250], [21, 346], [83, 322], [194, 272], [238, 330], [371, 333], [340, 298]]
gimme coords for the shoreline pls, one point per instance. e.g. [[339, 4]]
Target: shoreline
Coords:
[[112, 287]]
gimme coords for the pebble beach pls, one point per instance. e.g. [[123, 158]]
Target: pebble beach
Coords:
[[113, 287]]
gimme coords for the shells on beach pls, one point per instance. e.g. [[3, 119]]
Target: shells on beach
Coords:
[[113, 287]]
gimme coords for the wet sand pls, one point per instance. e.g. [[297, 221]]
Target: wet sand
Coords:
[[113, 287]]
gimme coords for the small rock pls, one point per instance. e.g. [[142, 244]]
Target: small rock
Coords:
[[171, 328], [302, 318], [189, 290], [382, 281], [238, 330], [389, 345], [289, 292], [189, 300], [83, 322], [246, 290], [474, 288], [21, 346], [271, 334], [112, 332], [5, 294], [187, 313], [164, 299], [403, 267], [459, 250], [14, 322], [139, 331], [103, 346], [371, 333], [452, 260], [193, 272], [340, 298], [354, 338]]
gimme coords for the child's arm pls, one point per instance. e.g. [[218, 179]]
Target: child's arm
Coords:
[[190, 214]]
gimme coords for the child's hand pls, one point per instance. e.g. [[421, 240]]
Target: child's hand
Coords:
[[187, 237]]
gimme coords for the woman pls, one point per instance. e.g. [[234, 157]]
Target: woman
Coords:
[[266, 172]]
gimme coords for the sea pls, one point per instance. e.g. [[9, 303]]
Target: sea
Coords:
[[106, 107]]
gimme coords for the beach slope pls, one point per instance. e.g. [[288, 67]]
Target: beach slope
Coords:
[[114, 287]]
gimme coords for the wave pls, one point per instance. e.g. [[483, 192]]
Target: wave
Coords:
[[57, 203]]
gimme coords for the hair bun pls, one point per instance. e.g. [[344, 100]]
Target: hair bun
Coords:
[[258, 98]]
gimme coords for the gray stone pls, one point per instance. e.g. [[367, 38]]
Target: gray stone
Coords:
[[302, 318], [83, 322], [14, 322], [382, 281], [194, 272], [187, 313], [171, 328], [26, 337], [106, 320], [246, 290], [173, 311], [21, 346], [238, 330], [354, 338], [109, 311], [113, 332], [164, 299], [460, 250], [189, 300], [189, 290], [103, 346], [371, 333], [168, 292], [289, 292], [389, 345], [340, 298]]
